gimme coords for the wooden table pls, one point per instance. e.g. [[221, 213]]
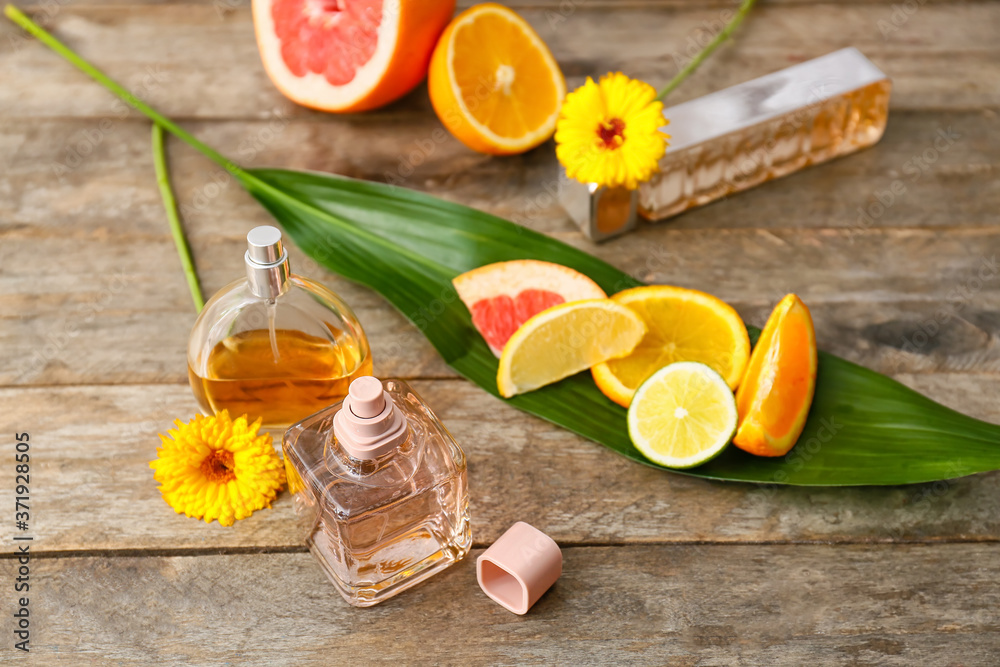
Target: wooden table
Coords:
[[659, 568]]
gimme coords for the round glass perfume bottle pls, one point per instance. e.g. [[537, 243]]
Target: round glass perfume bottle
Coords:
[[274, 345]]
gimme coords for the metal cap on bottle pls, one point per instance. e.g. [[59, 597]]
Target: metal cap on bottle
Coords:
[[267, 262]]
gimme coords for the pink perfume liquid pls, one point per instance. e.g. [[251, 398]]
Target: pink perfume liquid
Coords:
[[380, 525]]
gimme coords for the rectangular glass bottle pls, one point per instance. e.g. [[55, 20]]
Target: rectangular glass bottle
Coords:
[[739, 137], [382, 521]]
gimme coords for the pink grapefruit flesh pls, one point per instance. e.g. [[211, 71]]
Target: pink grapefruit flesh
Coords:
[[499, 317], [347, 55], [328, 37], [503, 296]]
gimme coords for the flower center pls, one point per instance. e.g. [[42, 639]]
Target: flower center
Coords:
[[612, 133], [218, 466]]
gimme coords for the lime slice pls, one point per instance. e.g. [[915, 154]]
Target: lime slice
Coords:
[[683, 415]]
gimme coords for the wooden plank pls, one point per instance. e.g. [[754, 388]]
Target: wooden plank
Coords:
[[93, 490], [72, 337], [100, 311], [88, 267], [930, 169], [683, 605], [173, 55]]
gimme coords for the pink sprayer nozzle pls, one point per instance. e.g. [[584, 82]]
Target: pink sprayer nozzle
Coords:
[[367, 400], [368, 424]]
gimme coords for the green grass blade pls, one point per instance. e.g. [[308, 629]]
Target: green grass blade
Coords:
[[173, 218], [710, 48], [45, 37]]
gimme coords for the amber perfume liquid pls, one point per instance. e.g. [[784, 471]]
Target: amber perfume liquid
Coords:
[[274, 346], [742, 136], [280, 382]]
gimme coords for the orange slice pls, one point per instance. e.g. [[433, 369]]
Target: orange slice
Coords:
[[682, 325], [504, 295], [493, 82], [774, 398]]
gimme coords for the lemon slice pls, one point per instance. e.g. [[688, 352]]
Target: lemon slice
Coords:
[[683, 415], [683, 325], [564, 340]]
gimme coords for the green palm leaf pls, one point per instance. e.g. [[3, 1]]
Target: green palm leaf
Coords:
[[864, 428]]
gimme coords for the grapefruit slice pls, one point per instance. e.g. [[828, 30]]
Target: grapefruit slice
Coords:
[[348, 55], [505, 295]]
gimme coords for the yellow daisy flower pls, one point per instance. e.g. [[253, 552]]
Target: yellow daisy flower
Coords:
[[609, 132], [217, 468]]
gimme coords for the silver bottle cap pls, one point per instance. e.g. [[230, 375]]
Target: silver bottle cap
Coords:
[[267, 262]]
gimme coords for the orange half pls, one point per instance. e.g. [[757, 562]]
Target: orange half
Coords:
[[774, 398], [494, 83]]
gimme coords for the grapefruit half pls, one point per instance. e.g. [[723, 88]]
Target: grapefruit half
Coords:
[[503, 296], [348, 55]]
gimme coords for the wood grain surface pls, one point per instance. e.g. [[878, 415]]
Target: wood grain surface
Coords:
[[96, 491], [173, 54], [91, 290], [659, 568], [638, 605]]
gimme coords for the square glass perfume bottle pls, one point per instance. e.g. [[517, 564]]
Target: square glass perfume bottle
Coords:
[[381, 485]]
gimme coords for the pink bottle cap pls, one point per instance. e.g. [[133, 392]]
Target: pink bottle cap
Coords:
[[367, 399], [519, 567], [368, 424]]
